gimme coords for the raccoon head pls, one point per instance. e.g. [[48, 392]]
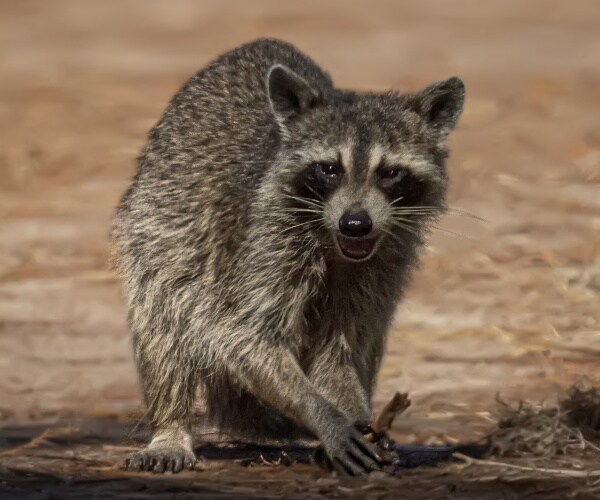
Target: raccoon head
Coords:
[[361, 170]]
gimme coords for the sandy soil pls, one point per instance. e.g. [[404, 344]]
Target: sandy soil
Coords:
[[509, 305]]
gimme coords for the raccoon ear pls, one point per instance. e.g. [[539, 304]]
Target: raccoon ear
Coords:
[[441, 104], [289, 94]]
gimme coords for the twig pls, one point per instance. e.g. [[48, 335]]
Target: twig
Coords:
[[579, 349], [36, 441], [543, 470], [395, 407]]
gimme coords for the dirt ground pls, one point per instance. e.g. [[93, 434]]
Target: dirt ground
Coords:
[[506, 305]]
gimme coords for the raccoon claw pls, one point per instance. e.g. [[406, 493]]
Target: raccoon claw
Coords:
[[354, 456], [160, 460]]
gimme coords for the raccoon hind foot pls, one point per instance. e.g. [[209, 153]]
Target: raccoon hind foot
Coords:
[[161, 459]]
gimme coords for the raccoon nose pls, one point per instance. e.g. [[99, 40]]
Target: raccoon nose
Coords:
[[356, 224]]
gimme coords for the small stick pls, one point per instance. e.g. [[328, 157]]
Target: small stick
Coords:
[[391, 410], [555, 472], [36, 441]]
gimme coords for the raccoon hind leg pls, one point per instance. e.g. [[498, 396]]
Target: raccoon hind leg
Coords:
[[169, 378]]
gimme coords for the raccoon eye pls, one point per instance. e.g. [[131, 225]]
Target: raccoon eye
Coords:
[[328, 169], [391, 173], [406, 190]]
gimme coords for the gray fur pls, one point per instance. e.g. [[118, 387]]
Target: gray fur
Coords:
[[234, 287]]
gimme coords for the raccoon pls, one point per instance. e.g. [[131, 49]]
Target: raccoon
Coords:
[[265, 241]]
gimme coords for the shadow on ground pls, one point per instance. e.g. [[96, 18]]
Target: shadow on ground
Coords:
[[80, 459]]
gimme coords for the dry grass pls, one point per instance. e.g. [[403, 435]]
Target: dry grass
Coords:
[[538, 431]]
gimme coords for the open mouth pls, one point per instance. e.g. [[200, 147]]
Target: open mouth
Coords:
[[356, 248]]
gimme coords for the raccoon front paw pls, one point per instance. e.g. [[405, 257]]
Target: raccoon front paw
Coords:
[[161, 459], [349, 453]]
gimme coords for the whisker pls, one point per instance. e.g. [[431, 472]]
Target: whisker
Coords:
[[299, 225], [416, 212], [300, 198], [406, 227], [392, 235], [418, 207], [405, 224], [304, 210], [437, 207], [404, 220], [464, 213], [452, 233], [396, 200], [309, 202], [425, 210], [319, 196]]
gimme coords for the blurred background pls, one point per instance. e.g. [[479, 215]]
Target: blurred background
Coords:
[[509, 305]]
